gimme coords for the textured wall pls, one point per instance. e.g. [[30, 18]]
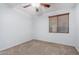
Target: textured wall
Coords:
[[15, 27], [42, 29]]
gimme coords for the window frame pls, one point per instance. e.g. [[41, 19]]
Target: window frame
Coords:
[[57, 22]]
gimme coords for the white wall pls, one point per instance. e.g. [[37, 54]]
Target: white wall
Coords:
[[77, 27], [42, 29], [15, 28]]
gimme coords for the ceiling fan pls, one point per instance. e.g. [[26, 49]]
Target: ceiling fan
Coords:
[[37, 5]]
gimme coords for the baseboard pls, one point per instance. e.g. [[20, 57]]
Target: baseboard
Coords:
[[14, 45], [54, 42], [77, 49]]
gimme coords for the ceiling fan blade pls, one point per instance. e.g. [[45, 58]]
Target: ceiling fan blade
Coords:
[[26, 6], [45, 5]]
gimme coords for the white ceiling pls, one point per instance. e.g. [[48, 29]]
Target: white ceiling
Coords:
[[31, 10]]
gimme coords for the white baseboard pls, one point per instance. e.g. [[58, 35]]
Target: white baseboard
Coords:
[[77, 49], [7, 47], [56, 42]]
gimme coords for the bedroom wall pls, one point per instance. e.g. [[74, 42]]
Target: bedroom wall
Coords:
[[15, 28], [77, 27], [41, 28]]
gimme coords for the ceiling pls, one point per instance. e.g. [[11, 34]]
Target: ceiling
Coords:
[[31, 10]]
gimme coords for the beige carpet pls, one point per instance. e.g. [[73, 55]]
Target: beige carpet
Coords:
[[36, 47]]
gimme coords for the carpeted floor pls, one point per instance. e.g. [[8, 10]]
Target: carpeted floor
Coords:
[[36, 47]]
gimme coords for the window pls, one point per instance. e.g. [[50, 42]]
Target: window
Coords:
[[59, 23]]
